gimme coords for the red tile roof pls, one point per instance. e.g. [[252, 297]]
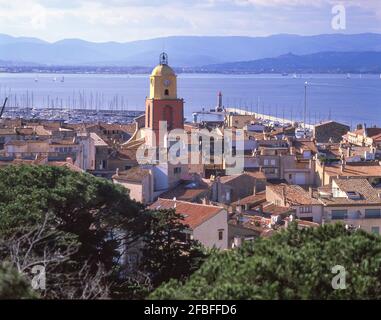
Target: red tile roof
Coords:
[[135, 174], [194, 214], [187, 191], [252, 199], [295, 195], [354, 169]]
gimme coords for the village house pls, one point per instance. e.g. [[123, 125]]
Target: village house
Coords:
[[280, 160], [352, 201], [329, 131], [238, 121], [363, 136], [191, 190], [327, 171], [249, 202], [228, 189], [113, 133], [139, 182], [251, 226], [207, 224], [306, 207]]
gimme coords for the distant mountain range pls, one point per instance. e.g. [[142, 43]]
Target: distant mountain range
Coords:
[[187, 51], [323, 62]]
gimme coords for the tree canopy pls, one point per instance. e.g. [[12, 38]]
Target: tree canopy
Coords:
[[293, 264], [13, 285], [79, 227], [168, 253]]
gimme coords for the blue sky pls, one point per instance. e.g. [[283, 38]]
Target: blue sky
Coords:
[[126, 20]]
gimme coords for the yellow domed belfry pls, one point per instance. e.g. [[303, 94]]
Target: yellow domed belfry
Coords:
[[162, 103]]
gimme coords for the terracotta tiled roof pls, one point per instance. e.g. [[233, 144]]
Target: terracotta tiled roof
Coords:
[[256, 223], [7, 131], [187, 191], [24, 131], [252, 199], [304, 223], [274, 210], [17, 143], [295, 195], [304, 145], [194, 214], [68, 141], [128, 128], [368, 194], [135, 174], [352, 170], [42, 131], [371, 132], [98, 141], [68, 165], [16, 162], [64, 164], [126, 154], [256, 174]]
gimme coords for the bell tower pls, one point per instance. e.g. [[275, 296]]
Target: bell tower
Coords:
[[163, 103]]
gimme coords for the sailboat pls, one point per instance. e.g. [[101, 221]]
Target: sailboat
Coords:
[[63, 79], [348, 75]]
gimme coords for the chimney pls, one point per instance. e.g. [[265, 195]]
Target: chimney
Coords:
[[343, 163], [205, 201], [117, 172], [310, 191], [175, 204], [255, 190]]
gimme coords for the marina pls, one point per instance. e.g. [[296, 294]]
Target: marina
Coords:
[[73, 116], [330, 97]]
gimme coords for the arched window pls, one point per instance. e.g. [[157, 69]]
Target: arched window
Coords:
[[166, 92], [168, 116]]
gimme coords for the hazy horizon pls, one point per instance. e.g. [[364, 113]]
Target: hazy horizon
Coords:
[[189, 36], [131, 20]]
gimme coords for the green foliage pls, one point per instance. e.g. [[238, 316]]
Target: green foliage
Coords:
[[84, 224], [167, 254], [293, 264], [13, 285], [84, 214]]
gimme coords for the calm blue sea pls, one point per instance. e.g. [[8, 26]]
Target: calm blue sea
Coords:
[[351, 99]]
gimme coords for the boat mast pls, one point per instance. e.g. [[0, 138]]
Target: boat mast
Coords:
[[305, 107]]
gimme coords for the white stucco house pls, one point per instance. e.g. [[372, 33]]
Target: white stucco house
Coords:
[[207, 224]]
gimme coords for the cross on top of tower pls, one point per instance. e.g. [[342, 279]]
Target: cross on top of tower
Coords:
[[163, 58]]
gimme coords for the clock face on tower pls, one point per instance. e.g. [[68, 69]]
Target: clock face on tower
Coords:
[[167, 82]]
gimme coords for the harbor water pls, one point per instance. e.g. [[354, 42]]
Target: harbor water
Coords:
[[350, 99]]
